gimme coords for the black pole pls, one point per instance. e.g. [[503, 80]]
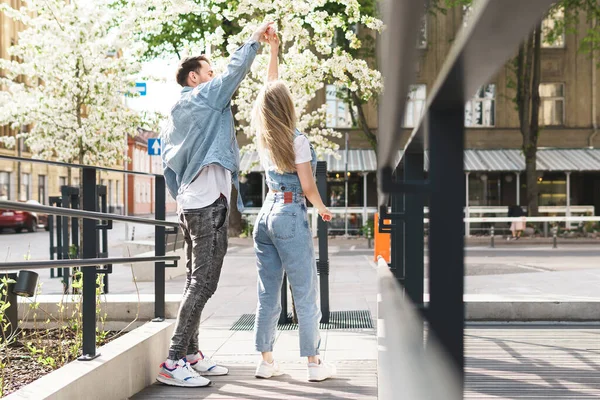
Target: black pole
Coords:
[[397, 232], [446, 228], [323, 261], [414, 228], [64, 233], [103, 245], [90, 250], [75, 204], [12, 312], [159, 248], [283, 319]]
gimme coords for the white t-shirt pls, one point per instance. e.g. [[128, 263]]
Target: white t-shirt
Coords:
[[206, 188], [301, 149]]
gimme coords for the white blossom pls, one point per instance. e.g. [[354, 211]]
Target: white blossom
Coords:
[[76, 62], [309, 57]]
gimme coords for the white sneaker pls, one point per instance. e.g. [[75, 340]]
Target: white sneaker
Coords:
[[182, 375], [321, 371], [266, 370], [208, 367]]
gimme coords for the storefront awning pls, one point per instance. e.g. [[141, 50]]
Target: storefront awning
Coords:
[[509, 160]]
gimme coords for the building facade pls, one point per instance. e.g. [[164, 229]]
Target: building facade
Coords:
[[569, 156]]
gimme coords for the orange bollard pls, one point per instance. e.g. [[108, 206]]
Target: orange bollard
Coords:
[[382, 241]]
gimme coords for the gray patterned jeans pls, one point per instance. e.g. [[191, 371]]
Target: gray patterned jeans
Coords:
[[205, 232]]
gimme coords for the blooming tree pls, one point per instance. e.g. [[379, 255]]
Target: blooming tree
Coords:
[[319, 44], [68, 77]]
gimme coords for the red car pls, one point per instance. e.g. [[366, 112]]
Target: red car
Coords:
[[19, 220]]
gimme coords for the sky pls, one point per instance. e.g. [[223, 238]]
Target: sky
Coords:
[[161, 95]]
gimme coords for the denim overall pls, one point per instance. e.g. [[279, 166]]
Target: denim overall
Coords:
[[283, 243]]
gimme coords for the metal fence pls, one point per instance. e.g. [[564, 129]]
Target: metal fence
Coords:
[[89, 255], [481, 48]]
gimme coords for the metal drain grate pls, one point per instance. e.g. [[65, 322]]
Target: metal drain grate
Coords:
[[359, 319]]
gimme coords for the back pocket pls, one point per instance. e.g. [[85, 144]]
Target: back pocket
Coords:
[[283, 225]]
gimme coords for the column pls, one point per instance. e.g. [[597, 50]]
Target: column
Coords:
[[568, 213], [518, 174], [365, 215], [467, 212]]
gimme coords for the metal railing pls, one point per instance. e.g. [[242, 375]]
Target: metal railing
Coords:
[[400, 339], [492, 35], [89, 260]]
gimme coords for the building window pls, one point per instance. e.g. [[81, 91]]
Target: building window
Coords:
[[110, 200], [414, 105], [4, 185], [552, 104], [481, 109], [549, 38], [62, 181], [138, 193], [25, 187], [422, 39], [118, 193], [338, 112], [42, 185]]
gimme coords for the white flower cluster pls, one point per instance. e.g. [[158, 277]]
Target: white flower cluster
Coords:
[[76, 62], [310, 57]]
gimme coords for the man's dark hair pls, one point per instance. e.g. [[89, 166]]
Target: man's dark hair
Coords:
[[188, 65]]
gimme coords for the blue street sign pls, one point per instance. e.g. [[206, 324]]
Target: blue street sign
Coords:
[[154, 147], [141, 88]]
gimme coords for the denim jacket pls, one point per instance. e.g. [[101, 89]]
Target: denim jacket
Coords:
[[200, 128], [288, 181]]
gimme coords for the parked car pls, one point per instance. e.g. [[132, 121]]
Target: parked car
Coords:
[[20, 220]]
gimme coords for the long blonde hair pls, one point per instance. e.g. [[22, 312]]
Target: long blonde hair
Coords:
[[274, 121]]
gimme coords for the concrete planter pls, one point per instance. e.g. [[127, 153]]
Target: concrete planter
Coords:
[[125, 367]]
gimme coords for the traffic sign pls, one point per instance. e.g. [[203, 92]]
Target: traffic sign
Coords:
[[154, 147], [140, 87]]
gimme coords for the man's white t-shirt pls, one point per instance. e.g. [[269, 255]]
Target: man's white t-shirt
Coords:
[[301, 150], [206, 188]]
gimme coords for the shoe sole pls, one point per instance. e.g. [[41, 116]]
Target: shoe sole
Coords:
[[209, 373], [172, 382], [267, 377]]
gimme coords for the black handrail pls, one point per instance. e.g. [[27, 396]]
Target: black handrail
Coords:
[[67, 165], [88, 262], [90, 251], [494, 30], [70, 212]]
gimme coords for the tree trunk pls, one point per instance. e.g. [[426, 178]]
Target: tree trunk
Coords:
[[528, 102], [534, 130], [362, 121], [532, 183]]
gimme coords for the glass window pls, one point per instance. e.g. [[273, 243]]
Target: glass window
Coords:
[[25, 187], [414, 105], [138, 193], [481, 109], [4, 185], [42, 182], [552, 191], [62, 181], [552, 102], [338, 112], [548, 24]]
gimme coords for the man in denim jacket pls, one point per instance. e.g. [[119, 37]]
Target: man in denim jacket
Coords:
[[200, 159]]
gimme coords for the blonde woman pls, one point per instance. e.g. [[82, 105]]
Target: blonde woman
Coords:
[[282, 238]]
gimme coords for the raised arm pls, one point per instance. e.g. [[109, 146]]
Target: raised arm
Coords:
[[273, 70], [219, 91]]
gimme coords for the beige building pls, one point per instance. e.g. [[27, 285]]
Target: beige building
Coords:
[[568, 160], [28, 180]]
